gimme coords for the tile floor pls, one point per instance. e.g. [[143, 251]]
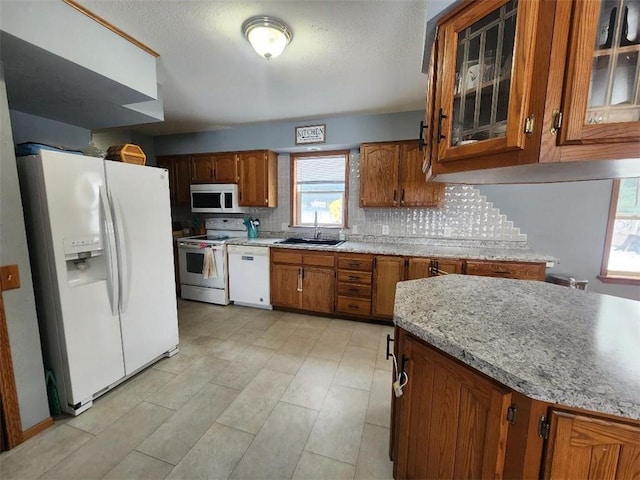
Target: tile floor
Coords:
[[252, 394]]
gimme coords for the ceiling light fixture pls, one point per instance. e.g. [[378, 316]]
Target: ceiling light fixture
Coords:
[[268, 35]]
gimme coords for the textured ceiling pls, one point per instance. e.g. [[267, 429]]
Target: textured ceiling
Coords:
[[346, 57]]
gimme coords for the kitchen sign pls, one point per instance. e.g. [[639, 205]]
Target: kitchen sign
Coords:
[[310, 134]]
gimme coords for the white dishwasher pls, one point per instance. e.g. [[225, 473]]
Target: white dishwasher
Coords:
[[249, 282]]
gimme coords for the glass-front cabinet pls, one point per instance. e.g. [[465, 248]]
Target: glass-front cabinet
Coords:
[[602, 90], [513, 83], [484, 72]]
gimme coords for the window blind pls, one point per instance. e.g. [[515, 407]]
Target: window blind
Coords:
[[320, 169]]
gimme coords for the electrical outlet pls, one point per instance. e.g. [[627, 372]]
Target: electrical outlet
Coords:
[[284, 226], [447, 231], [354, 229], [385, 229]]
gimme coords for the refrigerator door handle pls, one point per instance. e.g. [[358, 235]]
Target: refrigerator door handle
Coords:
[[112, 266], [123, 266]]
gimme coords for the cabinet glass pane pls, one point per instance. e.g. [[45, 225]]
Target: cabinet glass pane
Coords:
[[484, 61], [614, 89]]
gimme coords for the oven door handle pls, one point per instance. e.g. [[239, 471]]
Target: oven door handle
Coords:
[[191, 246]]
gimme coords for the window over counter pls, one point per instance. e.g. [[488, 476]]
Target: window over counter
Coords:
[[319, 186], [621, 260]]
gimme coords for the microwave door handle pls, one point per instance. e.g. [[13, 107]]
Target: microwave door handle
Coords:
[[113, 284], [122, 255]]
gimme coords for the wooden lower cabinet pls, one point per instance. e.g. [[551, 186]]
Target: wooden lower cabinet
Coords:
[[518, 270], [317, 289], [454, 422], [450, 422], [585, 447], [364, 285], [304, 280], [353, 286], [387, 271], [425, 267], [285, 284]]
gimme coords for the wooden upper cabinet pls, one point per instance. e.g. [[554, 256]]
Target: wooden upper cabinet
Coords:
[[257, 178], [483, 93], [225, 168], [602, 97], [179, 167], [202, 169], [586, 447], [379, 174], [391, 176], [182, 165], [214, 168], [414, 191], [514, 83], [167, 163]]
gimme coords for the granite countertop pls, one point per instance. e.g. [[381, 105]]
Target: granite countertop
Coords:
[[414, 250], [548, 342]]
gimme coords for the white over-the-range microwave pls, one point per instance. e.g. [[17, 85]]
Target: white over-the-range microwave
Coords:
[[215, 198]]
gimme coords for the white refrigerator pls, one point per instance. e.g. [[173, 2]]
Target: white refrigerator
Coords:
[[100, 244]]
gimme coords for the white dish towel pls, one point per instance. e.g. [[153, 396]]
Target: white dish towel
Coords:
[[209, 269]]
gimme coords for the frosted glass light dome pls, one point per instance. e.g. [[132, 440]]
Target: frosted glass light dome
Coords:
[[268, 35]]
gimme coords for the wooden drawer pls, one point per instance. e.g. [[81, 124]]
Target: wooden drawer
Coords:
[[317, 259], [354, 290], [306, 258], [353, 306], [517, 270], [286, 256], [356, 262], [354, 277]]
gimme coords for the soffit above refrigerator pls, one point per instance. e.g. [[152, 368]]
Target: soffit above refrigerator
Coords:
[[61, 64]]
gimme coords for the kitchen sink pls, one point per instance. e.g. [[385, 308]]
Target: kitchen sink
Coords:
[[310, 241]]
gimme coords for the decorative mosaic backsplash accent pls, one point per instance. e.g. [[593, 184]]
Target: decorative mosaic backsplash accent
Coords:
[[466, 215]]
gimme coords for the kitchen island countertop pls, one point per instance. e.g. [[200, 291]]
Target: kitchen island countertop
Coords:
[[548, 342]]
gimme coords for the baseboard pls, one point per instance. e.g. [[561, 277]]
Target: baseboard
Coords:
[[37, 428]]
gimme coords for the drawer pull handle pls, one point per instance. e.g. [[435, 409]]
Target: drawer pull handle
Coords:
[[353, 289], [354, 277], [353, 307], [354, 264], [502, 272]]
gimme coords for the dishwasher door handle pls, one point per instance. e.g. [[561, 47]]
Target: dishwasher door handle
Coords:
[[248, 258]]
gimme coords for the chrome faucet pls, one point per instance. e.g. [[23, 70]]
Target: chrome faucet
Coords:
[[316, 232]]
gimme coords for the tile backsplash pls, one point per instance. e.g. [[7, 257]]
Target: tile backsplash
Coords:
[[466, 214]]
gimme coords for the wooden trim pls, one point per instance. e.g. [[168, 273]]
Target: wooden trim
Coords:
[[37, 428], [8, 392], [111, 27], [613, 205], [619, 280]]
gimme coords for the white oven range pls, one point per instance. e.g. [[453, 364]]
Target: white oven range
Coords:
[[191, 254]]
